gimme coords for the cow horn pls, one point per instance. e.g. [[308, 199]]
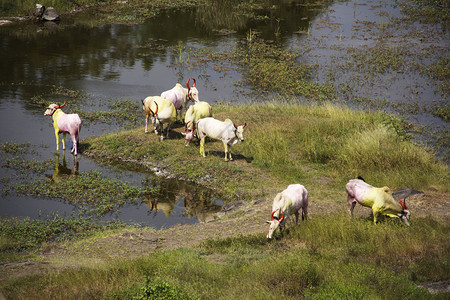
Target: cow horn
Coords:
[[271, 216], [245, 124], [187, 84], [186, 125], [234, 125], [194, 82], [156, 112], [403, 204], [282, 217], [63, 104]]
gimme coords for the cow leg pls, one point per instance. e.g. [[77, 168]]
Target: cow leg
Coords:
[[57, 139], [74, 146], [351, 204], [296, 216], [146, 123], [202, 147], [376, 213], [167, 132], [225, 145], [64, 141]]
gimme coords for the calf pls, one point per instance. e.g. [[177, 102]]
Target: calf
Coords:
[[65, 123], [225, 131], [379, 199], [286, 203]]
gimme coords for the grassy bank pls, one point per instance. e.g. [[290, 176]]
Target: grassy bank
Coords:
[[326, 258], [286, 142]]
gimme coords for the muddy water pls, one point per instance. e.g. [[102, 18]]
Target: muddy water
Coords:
[[113, 62]]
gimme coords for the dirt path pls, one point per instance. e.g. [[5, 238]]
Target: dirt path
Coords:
[[250, 220]]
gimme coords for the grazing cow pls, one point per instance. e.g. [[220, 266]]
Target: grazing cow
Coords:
[[193, 114], [180, 96], [162, 111], [225, 131], [65, 123], [379, 199], [286, 203]]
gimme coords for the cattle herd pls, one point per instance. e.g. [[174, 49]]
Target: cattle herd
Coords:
[[198, 120]]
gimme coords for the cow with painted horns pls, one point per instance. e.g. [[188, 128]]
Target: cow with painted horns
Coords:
[[194, 113], [286, 203], [162, 112], [180, 96], [65, 123], [226, 131], [379, 199]]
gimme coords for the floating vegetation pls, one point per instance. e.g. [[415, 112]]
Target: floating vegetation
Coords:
[[441, 111], [88, 188], [378, 59], [118, 111], [25, 234], [268, 67]]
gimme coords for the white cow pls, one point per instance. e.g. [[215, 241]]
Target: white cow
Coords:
[[379, 199], [286, 203], [162, 112], [194, 113], [225, 131], [180, 96]]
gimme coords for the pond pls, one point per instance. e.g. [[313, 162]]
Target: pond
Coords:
[[47, 62]]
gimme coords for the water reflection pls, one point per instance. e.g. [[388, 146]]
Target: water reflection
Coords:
[[62, 170], [165, 194]]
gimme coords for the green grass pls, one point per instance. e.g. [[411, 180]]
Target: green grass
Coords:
[[289, 142], [332, 257]]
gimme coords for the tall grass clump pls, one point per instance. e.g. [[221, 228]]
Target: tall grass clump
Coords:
[[382, 153]]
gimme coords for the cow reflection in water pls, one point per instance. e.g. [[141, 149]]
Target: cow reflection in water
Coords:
[[62, 170], [165, 193], [199, 203]]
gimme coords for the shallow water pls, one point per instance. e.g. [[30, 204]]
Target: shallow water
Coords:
[[113, 62]]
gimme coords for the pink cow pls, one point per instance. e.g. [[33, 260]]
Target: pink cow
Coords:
[[180, 96], [65, 123], [379, 199]]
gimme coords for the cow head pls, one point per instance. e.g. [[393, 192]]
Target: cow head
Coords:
[[52, 108], [155, 120], [275, 221], [192, 91], [240, 131], [189, 132], [405, 214]]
